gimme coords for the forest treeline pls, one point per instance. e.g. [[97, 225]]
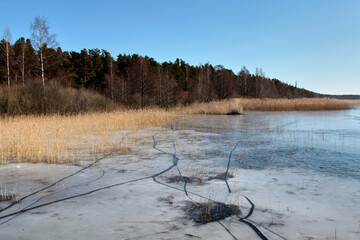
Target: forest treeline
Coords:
[[134, 80]]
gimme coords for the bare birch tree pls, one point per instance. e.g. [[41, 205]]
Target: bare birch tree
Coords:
[[7, 39], [41, 38]]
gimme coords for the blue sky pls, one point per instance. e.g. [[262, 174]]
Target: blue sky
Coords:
[[315, 43]]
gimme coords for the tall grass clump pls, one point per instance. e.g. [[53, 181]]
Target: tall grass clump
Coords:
[[35, 99]]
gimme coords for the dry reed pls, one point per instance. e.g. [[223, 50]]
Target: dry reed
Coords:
[[355, 101], [298, 104], [222, 107], [57, 139], [238, 105]]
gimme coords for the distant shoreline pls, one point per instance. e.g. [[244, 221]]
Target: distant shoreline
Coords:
[[346, 96]]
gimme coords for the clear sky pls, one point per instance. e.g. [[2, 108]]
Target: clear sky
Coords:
[[315, 43]]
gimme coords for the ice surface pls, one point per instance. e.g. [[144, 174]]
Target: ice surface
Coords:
[[301, 170]]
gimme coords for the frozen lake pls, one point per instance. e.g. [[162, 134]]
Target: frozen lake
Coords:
[[327, 142], [300, 169]]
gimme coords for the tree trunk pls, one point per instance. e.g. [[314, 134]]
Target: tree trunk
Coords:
[[187, 76], [42, 66], [142, 84], [111, 80], [8, 63], [23, 64], [160, 87]]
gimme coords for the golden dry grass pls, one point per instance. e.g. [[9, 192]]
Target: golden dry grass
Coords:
[[223, 107], [243, 104], [355, 102], [298, 104], [57, 139]]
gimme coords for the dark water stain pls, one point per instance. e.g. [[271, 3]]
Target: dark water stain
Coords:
[[220, 176], [210, 212], [176, 179]]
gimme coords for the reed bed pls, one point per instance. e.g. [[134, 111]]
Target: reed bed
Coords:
[[298, 104], [61, 139], [238, 105], [223, 107], [355, 102]]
